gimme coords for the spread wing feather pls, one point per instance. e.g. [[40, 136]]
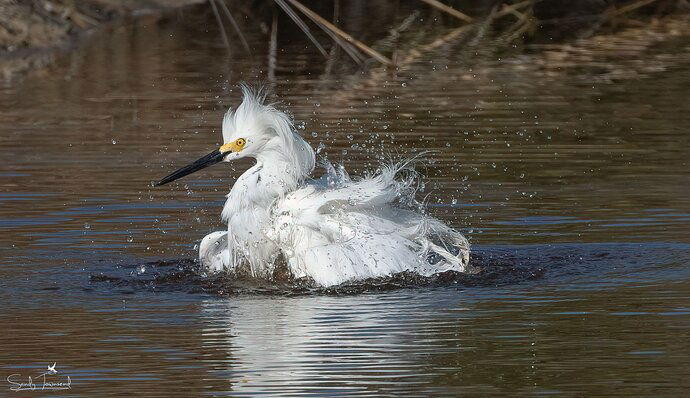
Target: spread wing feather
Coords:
[[335, 229]]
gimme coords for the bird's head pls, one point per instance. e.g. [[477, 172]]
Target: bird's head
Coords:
[[254, 129]]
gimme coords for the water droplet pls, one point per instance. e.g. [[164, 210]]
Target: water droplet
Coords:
[[87, 225], [314, 134], [130, 239], [114, 141], [141, 269]]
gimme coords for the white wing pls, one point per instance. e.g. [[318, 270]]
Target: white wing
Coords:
[[337, 230]]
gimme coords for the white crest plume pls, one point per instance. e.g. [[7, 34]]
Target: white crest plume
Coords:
[[254, 116]]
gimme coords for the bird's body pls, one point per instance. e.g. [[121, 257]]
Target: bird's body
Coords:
[[331, 230]]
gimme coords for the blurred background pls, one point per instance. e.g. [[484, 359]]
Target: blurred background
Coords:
[[389, 32], [560, 132]]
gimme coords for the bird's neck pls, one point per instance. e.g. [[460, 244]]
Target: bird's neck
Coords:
[[278, 171]]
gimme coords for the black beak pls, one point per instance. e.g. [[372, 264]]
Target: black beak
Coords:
[[208, 160]]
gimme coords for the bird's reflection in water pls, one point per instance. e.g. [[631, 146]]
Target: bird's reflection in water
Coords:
[[341, 344]]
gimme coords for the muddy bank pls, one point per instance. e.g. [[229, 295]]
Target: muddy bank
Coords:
[[33, 32]]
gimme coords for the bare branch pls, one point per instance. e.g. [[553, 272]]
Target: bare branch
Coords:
[[235, 26], [631, 7], [220, 24], [321, 21], [293, 15], [273, 48], [449, 10]]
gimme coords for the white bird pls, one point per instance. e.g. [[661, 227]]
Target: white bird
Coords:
[[332, 230]]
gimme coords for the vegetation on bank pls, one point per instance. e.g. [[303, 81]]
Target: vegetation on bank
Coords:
[[506, 22], [30, 30]]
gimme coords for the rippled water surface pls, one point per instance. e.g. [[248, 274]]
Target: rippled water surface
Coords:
[[571, 185]]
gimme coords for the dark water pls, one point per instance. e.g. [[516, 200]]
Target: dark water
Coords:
[[572, 186]]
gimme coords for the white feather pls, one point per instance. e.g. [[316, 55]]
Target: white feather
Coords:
[[332, 230]]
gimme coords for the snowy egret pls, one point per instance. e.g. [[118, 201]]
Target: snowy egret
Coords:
[[332, 230]]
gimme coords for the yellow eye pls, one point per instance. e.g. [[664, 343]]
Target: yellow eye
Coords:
[[240, 142]]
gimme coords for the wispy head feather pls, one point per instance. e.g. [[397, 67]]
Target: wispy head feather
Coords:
[[254, 116], [251, 116]]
